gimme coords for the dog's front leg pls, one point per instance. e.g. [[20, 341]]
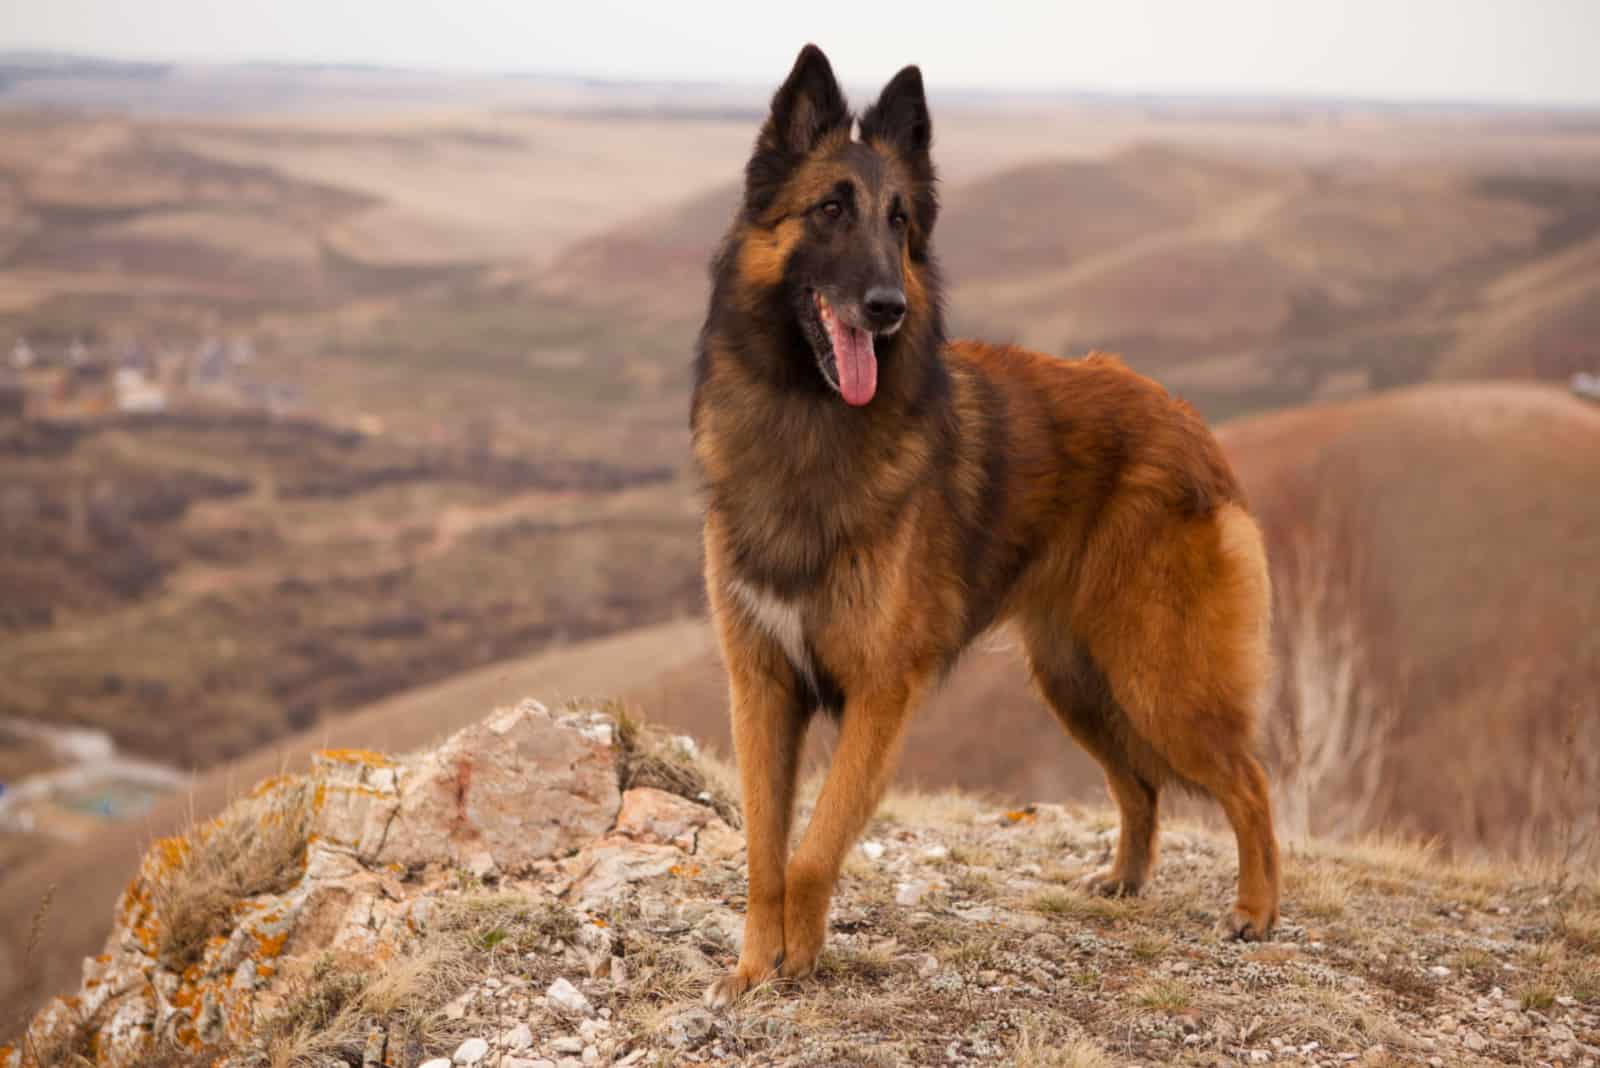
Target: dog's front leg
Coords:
[[769, 719], [863, 763]]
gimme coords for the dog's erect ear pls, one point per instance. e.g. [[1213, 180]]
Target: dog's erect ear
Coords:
[[900, 117], [805, 109], [899, 121]]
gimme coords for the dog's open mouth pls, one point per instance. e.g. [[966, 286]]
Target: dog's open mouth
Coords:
[[851, 364]]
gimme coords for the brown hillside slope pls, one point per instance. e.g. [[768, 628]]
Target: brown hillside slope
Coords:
[[1246, 285], [1435, 555]]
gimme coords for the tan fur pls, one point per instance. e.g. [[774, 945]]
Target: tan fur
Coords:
[[1170, 609], [852, 552]]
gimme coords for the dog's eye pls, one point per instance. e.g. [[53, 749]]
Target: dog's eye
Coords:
[[832, 209]]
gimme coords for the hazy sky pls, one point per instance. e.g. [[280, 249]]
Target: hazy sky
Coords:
[[1500, 50]]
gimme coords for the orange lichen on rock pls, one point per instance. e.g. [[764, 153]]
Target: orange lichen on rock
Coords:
[[270, 946], [269, 784], [369, 757]]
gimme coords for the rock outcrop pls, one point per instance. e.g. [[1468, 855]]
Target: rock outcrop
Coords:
[[554, 889]]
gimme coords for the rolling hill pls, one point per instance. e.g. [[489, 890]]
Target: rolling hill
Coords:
[[1246, 285]]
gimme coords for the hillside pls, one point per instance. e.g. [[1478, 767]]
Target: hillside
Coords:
[[408, 912], [1246, 284], [243, 577]]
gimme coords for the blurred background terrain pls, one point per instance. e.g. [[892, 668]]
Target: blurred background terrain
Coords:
[[338, 402]]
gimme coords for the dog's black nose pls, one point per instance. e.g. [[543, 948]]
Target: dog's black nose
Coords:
[[885, 307]]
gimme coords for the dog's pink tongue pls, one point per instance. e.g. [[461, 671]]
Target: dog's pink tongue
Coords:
[[858, 364]]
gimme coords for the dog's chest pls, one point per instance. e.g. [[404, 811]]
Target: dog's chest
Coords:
[[780, 619]]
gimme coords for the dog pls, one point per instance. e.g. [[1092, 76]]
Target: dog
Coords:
[[877, 496]]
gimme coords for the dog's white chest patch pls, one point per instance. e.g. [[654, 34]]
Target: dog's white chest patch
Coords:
[[779, 618]]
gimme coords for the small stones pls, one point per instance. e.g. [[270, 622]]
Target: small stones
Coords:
[[872, 850], [690, 1029], [437, 1062], [567, 1044], [567, 998], [470, 1052], [911, 894], [519, 1037], [481, 865]]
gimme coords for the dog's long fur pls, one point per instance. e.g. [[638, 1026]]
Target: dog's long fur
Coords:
[[853, 550]]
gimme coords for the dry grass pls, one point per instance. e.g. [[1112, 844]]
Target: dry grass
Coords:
[[1037, 1048], [1075, 904], [1580, 929], [949, 808], [652, 757], [1151, 947], [510, 923], [339, 1008], [1164, 995], [1320, 890], [68, 1044], [256, 846]]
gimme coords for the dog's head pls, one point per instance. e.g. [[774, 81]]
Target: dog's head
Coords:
[[834, 231]]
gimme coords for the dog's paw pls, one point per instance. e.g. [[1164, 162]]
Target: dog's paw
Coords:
[[729, 989], [800, 964], [1246, 925], [1109, 884]]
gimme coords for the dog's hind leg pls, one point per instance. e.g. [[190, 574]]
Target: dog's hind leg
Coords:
[[1186, 652], [1073, 688], [1231, 773]]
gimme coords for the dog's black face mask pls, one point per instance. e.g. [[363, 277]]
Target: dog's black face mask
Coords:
[[851, 218]]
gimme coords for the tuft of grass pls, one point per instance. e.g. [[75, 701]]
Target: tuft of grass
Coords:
[[30, 986], [1151, 947], [1396, 863], [489, 922], [1580, 929], [943, 808], [331, 1011], [1164, 995], [652, 757], [256, 846], [866, 965], [976, 885], [1583, 981], [69, 1043], [1036, 1048], [1472, 962], [1407, 982], [1318, 889], [1536, 996], [1074, 904], [971, 857]]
